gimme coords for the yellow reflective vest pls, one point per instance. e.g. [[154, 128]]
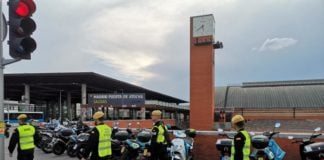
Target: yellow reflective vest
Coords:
[[160, 137], [104, 146], [26, 137], [246, 148]]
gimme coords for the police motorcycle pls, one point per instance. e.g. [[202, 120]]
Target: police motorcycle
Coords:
[[143, 138], [224, 145], [80, 146], [182, 144], [265, 147], [62, 140], [308, 149], [50, 138], [116, 141], [72, 144], [130, 148]]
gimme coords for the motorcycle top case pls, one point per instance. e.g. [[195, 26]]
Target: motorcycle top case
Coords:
[[191, 132], [260, 141], [277, 151], [66, 132], [144, 136], [223, 144], [122, 135], [314, 149]]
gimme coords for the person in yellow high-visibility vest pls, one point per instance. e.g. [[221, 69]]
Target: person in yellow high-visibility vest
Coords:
[[242, 142], [25, 136], [160, 138], [99, 144]]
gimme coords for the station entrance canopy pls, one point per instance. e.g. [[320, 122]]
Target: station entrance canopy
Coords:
[[117, 99]]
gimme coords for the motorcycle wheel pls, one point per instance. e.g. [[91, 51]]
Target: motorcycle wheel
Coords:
[[80, 151], [59, 148], [71, 152], [46, 148]]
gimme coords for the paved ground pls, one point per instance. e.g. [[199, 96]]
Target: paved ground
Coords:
[[39, 155]]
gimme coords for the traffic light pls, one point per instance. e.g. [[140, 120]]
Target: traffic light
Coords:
[[21, 26]]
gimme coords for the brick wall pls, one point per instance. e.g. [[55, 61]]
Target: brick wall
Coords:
[[205, 149]]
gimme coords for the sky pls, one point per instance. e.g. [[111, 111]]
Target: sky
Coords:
[[146, 42]]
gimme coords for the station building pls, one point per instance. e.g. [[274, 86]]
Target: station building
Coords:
[[66, 95], [291, 100]]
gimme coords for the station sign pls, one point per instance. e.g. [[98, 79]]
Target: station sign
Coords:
[[117, 99]]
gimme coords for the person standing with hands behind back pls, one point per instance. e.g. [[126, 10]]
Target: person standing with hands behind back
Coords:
[[242, 141], [99, 143], [160, 138]]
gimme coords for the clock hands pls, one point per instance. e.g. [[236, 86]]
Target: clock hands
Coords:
[[201, 27]]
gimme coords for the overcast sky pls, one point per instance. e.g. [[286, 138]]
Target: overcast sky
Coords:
[[146, 42]]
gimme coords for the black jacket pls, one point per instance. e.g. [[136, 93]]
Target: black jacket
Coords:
[[155, 147], [92, 146], [14, 140], [239, 142]]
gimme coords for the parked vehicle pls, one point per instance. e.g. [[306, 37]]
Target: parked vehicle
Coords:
[[183, 144], [49, 139], [265, 147], [224, 145], [308, 149]]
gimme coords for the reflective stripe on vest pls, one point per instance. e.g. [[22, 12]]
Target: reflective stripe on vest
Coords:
[[26, 137], [104, 146], [246, 148], [160, 137]]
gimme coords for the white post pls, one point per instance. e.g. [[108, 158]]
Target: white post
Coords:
[[84, 99], [27, 94]]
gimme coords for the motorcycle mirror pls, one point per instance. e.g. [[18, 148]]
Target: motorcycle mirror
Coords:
[[290, 137], [220, 130], [277, 125], [317, 129]]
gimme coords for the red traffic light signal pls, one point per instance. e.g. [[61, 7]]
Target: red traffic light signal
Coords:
[[25, 8], [21, 26]]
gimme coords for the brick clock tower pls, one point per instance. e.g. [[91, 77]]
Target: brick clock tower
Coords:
[[202, 70]]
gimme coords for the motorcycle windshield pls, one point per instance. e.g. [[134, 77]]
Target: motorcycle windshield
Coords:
[[276, 150]]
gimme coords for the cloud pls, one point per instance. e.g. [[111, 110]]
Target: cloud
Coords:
[[275, 44]]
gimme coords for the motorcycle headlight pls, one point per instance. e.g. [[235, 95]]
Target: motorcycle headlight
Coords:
[[177, 157]]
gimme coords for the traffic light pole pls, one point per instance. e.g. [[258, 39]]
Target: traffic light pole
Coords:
[[2, 146]]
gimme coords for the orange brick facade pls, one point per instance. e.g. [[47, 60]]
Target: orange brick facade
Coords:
[[201, 84]]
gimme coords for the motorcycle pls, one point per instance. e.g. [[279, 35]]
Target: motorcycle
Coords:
[[49, 138], [183, 144], [308, 149], [143, 138], [224, 145], [266, 147], [129, 147], [60, 143]]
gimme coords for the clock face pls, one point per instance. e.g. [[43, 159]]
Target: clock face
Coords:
[[203, 26]]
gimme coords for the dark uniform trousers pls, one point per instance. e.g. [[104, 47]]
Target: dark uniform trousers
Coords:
[[159, 153], [25, 157]]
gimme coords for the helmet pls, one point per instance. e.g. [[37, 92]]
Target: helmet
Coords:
[[156, 113], [98, 115], [237, 118], [22, 116]]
